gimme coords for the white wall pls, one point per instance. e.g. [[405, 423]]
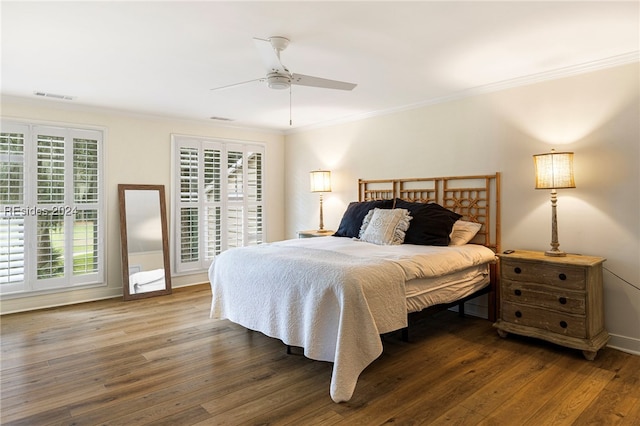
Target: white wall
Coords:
[[596, 115], [138, 150]]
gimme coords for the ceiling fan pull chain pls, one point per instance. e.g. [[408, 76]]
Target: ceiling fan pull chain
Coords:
[[290, 120]]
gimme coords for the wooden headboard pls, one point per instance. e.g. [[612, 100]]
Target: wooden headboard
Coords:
[[476, 198]]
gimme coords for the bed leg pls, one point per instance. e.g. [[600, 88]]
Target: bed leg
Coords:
[[461, 309], [405, 334], [288, 350]]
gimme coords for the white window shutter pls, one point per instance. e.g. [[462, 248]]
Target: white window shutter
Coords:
[[218, 202], [52, 237], [12, 199]]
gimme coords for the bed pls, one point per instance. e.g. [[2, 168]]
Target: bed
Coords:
[[145, 281], [406, 245]]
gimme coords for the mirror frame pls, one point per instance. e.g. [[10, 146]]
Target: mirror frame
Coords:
[[125, 250]]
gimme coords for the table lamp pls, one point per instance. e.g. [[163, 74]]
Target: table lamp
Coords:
[[554, 170], [320, 182]]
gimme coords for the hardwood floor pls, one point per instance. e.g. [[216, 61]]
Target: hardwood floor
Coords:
[[163, 361]]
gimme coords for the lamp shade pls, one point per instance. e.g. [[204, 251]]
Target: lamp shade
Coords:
[[554, 170], [320, 181]]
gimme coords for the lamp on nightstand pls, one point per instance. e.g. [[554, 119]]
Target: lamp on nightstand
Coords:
[[320, 182], [554, 170]]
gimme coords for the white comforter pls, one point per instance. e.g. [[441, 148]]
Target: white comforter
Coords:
[[331, 296]]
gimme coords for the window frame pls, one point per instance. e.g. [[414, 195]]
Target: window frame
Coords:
[[33, 208], [224, 146]]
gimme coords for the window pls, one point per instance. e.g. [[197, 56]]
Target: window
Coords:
[[218, 199], [51, 207]]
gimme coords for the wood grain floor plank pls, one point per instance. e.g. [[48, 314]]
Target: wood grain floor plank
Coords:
[[277, 398], [572, 398], [633, 416], [620, 399], [401, 361], [507, 379], [158, 378], [426, 404], [412, 391], [163, 402], [14, 409], [544, 386], [457, 416]]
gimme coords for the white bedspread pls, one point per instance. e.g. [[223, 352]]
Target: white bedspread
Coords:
[[331, 296]]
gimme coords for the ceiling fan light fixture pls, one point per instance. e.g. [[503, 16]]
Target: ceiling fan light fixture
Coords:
[[279, 43], [278, 81]]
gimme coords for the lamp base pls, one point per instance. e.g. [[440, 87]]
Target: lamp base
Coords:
[[555, 253], [324, 231]]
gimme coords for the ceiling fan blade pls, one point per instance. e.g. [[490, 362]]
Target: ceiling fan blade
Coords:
[[238, 84], [307, 80], [270, 57]]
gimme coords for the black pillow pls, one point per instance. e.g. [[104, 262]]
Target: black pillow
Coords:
[[431, 223], [356, 211]]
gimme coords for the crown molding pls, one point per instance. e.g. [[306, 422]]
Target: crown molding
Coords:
[[610, 62]]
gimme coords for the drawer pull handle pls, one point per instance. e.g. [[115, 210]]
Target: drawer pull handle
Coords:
[[562, 277], [517, 270], [563, 324], [518, 314], [563, 300], [518, 292]]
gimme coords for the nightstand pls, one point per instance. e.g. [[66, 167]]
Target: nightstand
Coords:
[[315, 233], [558, 299]]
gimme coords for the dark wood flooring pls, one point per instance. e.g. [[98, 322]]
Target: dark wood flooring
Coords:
[[162, 361]]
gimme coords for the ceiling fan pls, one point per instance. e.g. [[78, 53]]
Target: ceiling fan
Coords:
[[278, 76]]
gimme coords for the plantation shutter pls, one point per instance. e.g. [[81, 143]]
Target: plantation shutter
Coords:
[[50, 228], [50, 197], [254, 197], [212, 194], [235, 197], [189, 158], [86, 202], [218, 202], [12, 200]]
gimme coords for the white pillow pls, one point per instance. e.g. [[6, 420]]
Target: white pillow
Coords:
[[385, 226], [463, 232]]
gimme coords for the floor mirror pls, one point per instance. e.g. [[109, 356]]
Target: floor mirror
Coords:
[[145, 245]]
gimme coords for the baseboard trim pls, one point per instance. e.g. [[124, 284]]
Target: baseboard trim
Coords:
[[624, 343]]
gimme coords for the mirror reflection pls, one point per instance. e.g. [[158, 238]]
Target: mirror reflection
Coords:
[[145, 257]]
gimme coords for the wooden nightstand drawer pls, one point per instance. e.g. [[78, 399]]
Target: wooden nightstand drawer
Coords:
[[564, 276], [555, 322], [544, 297]]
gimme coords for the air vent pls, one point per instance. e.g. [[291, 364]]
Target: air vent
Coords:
[[54, 96], [221, 118]]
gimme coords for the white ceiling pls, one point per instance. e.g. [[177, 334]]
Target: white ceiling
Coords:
[[162, 58]]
